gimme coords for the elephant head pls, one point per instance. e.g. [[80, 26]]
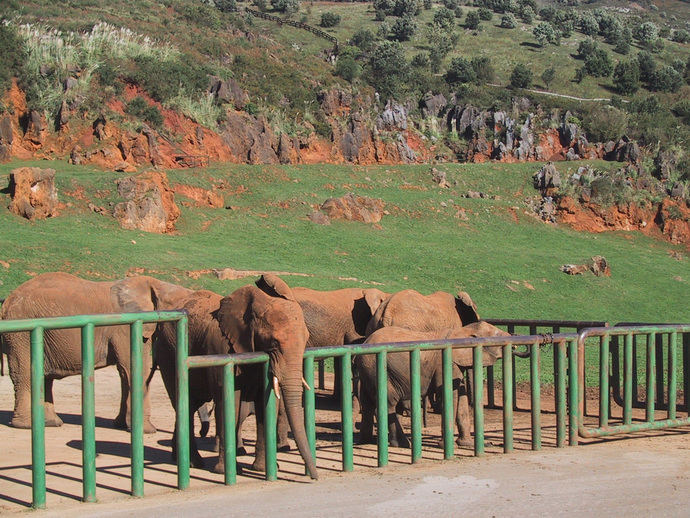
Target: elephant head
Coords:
[[463, 357], [143, 293], [268, 318]]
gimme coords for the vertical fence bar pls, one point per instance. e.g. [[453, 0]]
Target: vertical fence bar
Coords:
[[270, 423], [559, 360], [478, 403], [416, 405], [382, 408], [182, 420], [672, 374], [137, 407], [490, 390], [651, 376], [88, 414], [659, 370], [615, 371], [535, 396], [229, 435], [38, 421], [310, 406], [686, 371], [604, 392], [322, 379], [447, 411], [508, 378], [627, 379], [573, 386], [346, 413]]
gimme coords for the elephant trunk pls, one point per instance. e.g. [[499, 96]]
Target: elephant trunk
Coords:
[[291, 387]]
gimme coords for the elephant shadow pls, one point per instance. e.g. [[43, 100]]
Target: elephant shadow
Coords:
[[5, 417], [123, 449]]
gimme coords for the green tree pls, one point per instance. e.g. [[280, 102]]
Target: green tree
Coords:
[[364, 39], [403, 28], [460, 71], [407, 8], [586, 47], [387, 69], [485, 14], [483, 70], [646, 33], [548, 76], [665, 79], [329, 19], [12, 54], [545, 33], [472, 20], [347, 68], [681, 36], [508, 21], [646, 64], [527, 15], [626, 77], [588, 24], [444, 18], [285, 6], [598, 63], [226, 6], [521, 77]]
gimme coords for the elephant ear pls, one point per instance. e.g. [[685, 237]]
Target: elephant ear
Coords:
[[274, 286], [134, 295], [374, 298], [234, 318], [466, 308]]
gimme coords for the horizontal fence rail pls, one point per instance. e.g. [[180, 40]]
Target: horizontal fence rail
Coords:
[[654, 378], [87, 324]]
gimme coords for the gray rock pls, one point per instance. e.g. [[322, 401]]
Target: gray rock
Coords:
[[69, 83], [547, 177], [572, 155], [393, 117], [405, 152], [433, 105]]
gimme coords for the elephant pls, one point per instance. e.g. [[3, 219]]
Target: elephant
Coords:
[[63, 294], [262, 317], [335, 317], [430, 372], [412, 310]]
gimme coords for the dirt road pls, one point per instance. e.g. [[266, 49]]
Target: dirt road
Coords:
[[642, 475]]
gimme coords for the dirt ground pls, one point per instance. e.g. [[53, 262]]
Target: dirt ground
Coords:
[[63, 450]]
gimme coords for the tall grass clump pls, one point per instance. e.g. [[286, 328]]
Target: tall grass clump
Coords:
[[202, 109]]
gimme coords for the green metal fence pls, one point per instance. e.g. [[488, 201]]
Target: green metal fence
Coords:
[[654, 378], [87, 323]]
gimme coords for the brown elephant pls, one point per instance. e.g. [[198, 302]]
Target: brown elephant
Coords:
[[431, 376], [265, 317], [62, 294], [436, 312]]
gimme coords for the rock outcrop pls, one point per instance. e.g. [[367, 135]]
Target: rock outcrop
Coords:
[[150, 204], [33, 192], [352, 208]]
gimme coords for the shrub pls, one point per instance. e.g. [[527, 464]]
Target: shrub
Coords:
[[427, 4], [598, 63], [285, 6], [12, 54], [548, 76], [646, 33], [665, 79], [682, 110], [164, 80], [521, 77], [588, 24], [364, 39], [603, 123], [420, 60], [407, 8], [444, 18], [647, 65], [545, 33], [460, 70], [139, 108], [387, 69], [681, 36], [485, 14], [527, 15], [586, 47], [547, 13], [626, 77], [622, 46], [226, 6], [451, 4], [483, 70], [472, 20], [200, 14], [403, 29], [329, 19], [508, 21], [347, 68]]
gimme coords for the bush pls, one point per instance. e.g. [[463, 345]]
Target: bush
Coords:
[[647, 65], [626, 77], [548, 76], [364, 39], [444, 18], [527, 15], [329, 19], [646, 33], [622, 47], [139, 108], [420, 60], [485, 14], [508, 21], [347, 68], [472, 20], [226, 6], [407, 8], [285, 6], [521, 77], [603, 123], [682, 110], [387, 69], [403, 29], [665, 79], [588, 24], [545, 33], [547, 13], [483, 70], [598, 63], [12, 54], [451, 4], [460, 71], [586, 47], [681, 36], [164, 80]]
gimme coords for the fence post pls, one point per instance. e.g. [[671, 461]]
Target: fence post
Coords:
[[604, 395], [672, 374], [651, 376], [478, 371], [627, 379], [508, 394], [535, 385], [270, 423], [310, 406], [382, 408], [447, 410], [38, 421], [573, 386], [559, 360], [346, 413], [88, 414], [182, 420], [416, 405], [229, 435], [137, 407]]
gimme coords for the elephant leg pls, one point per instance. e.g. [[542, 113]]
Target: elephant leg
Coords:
[[205, 419], [148, 360], [121, 421], [366, 427], [337, 377], [194, 456], [462, 415], [124, 417], [20, 374], [244, 410], [52, 419], [260, 450], [283, 427], [396, 435]]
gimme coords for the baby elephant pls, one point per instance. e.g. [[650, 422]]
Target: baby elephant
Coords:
[[431, 374]]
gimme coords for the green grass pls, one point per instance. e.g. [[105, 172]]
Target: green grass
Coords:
[[420, 244]]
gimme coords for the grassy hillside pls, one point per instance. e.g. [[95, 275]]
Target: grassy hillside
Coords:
[[507, 260]]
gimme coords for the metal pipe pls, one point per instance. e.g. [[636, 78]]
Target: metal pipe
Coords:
[[478, 402], [229, 433], [651, 377], [604, 396], [447, 410], [627, 379], [182, 406], [672, 374], [270, 423], [137, 407], [416, 405], [310, 406], [559, 349], [573, 386], [535, 403], [346, 412], [38, 421], [382, 408], [507, 398], [88, 414]]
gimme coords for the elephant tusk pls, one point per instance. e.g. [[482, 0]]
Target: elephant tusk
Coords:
[[306, 385], [276, 386]]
